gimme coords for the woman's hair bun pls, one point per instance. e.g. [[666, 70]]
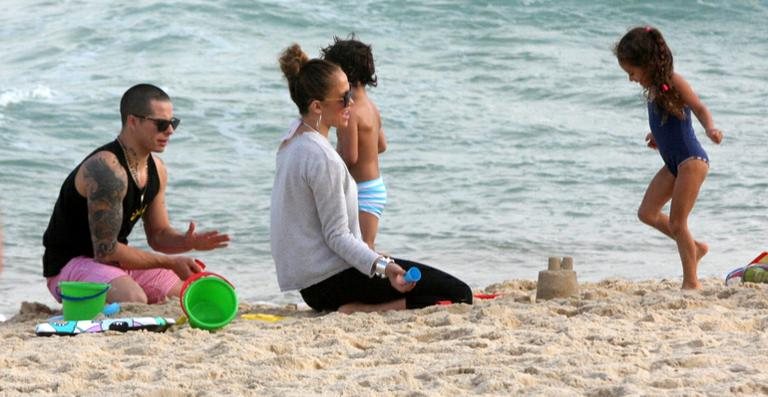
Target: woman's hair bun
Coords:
[[291, 61]]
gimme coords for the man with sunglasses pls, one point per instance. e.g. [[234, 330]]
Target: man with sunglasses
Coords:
[[103, 198]]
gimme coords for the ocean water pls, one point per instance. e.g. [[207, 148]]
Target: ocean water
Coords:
[[513, 134]]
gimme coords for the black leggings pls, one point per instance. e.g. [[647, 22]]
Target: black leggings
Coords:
[[351, 286]]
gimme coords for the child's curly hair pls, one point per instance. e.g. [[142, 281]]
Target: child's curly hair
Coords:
[[644, 47], [354, 58]]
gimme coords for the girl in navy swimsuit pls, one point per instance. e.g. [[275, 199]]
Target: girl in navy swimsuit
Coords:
[[644, 55]]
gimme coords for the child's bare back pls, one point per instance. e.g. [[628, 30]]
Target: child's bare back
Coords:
[[361, 141]]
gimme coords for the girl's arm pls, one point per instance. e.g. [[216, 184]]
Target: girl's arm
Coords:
[[697, 106]]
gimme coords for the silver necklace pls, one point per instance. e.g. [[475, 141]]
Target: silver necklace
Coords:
[[310, 127]]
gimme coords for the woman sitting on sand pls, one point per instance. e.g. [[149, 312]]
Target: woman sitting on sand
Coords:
[[314, 233]]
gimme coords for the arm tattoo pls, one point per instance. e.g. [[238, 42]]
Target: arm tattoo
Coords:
[[105, 208]]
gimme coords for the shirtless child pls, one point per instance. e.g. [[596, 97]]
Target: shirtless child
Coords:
[[361, 141]]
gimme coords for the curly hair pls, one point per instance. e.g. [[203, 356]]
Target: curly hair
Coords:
[[644, 47], [355, 59], [308, 79]]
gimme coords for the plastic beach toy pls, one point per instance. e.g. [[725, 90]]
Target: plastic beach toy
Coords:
[[412, 275], [749, 273], [82, 300], [111, 309], [270, 318], [486, 296], [208, 300], [74, 327], [756, 274]]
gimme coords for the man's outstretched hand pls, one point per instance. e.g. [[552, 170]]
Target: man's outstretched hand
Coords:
[[205, 241]]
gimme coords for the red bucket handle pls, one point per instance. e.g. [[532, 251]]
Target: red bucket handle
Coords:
[[191, 279]]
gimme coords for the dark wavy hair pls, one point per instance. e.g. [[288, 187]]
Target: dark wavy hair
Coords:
[[355, 59], [136, 100], [308, 79], [644, 47]]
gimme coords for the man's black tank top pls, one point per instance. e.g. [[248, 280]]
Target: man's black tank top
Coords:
[[68, 234]]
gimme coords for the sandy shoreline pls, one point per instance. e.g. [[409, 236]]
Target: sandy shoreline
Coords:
[[616, 338]]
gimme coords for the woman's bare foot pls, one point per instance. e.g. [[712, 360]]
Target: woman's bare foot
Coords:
[[350, 308], [353, 307]]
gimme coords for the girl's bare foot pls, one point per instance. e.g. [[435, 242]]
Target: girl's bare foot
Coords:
[[701, 249], [692, 285]]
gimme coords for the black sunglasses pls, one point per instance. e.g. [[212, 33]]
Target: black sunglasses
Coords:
[[161, 124], [346, 100]]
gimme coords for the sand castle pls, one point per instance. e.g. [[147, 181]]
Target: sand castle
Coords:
[[558, 281]]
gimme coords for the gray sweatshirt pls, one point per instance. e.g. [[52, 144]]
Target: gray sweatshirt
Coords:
[[314, 229]]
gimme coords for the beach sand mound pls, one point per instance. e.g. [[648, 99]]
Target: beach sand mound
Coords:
[[615, 338]]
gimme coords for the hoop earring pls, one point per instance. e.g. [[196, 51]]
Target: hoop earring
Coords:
[[317, 125]]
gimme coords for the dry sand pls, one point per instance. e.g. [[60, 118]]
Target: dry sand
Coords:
[[615, 338]]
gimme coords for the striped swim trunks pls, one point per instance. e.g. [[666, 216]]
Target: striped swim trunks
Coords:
[[372, 196]]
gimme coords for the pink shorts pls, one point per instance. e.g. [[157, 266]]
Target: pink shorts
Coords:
[[156, 283]]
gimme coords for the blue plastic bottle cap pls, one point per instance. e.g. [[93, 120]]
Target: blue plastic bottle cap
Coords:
[[111, 309], [412, 275]]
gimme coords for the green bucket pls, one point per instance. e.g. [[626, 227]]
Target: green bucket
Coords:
[[81, 300], [209, 301]]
